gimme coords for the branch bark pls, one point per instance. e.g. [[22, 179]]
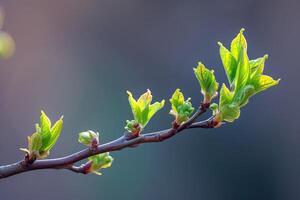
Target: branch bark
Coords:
[[124, 141]]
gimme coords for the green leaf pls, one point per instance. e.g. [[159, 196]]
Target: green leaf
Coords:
[[145, 100], [207, 81], [243, 71], [264, 82], [229, 63], [230, 112], [45, 129], [215, 108], [136, 111], [142, 109], [34, 142], [100, 161], [176, 100], [181, 109], [246, 78], [154, 108], [242, 96], [237, 44], [226, 96], [55, 133], [88, 137], [257, 67]]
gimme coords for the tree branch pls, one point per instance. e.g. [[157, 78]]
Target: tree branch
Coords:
[[124, 141]]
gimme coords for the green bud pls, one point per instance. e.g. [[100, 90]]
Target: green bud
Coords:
[[45, 137], [100, 161], [133, 127], [215, 108], [207, 81], [35, 143], [142, 109], [181, 109], [89, 138]]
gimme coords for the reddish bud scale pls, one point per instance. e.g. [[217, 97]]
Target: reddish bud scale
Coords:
[[94, 143], [216, 122], [136, 130], [205, 106], [175, 125], [87, 167]]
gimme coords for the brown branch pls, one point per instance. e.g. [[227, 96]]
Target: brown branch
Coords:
[[67, 162]]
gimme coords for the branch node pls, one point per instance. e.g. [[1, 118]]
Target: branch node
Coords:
[[28, 159]]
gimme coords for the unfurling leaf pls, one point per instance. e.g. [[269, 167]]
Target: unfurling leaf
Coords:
[[263, 83], [226, 96], [229, 62], [245, 78], [88, 138], [181, 109], [100, 161], [142, 111], [45, 137], [230, 112], [215, 108], [207, 81], [237, 44], [243, 71]]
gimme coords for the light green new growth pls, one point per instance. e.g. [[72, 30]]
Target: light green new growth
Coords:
[[142, 111], [41, 142], [88, 138], [207, 81], [100, 161], [245, 78], [181, 109]]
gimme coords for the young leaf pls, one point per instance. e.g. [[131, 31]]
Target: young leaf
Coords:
[[181, 109], [45, 129], [215, 108], [226, 96], [242, 96], [247, 79], [230, 112], [153, 109], [176, 100], [55, 133], [40, 142], [229, 63], [264, 82], [34, 143], [136, 111], [145, 100], [207, 81], [100, 161], [237, 44], [142, 110], [243, 70]]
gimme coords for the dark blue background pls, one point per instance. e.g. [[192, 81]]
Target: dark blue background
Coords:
[[78, 58]]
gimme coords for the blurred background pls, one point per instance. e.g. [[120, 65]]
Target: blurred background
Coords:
[[78, 58]]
